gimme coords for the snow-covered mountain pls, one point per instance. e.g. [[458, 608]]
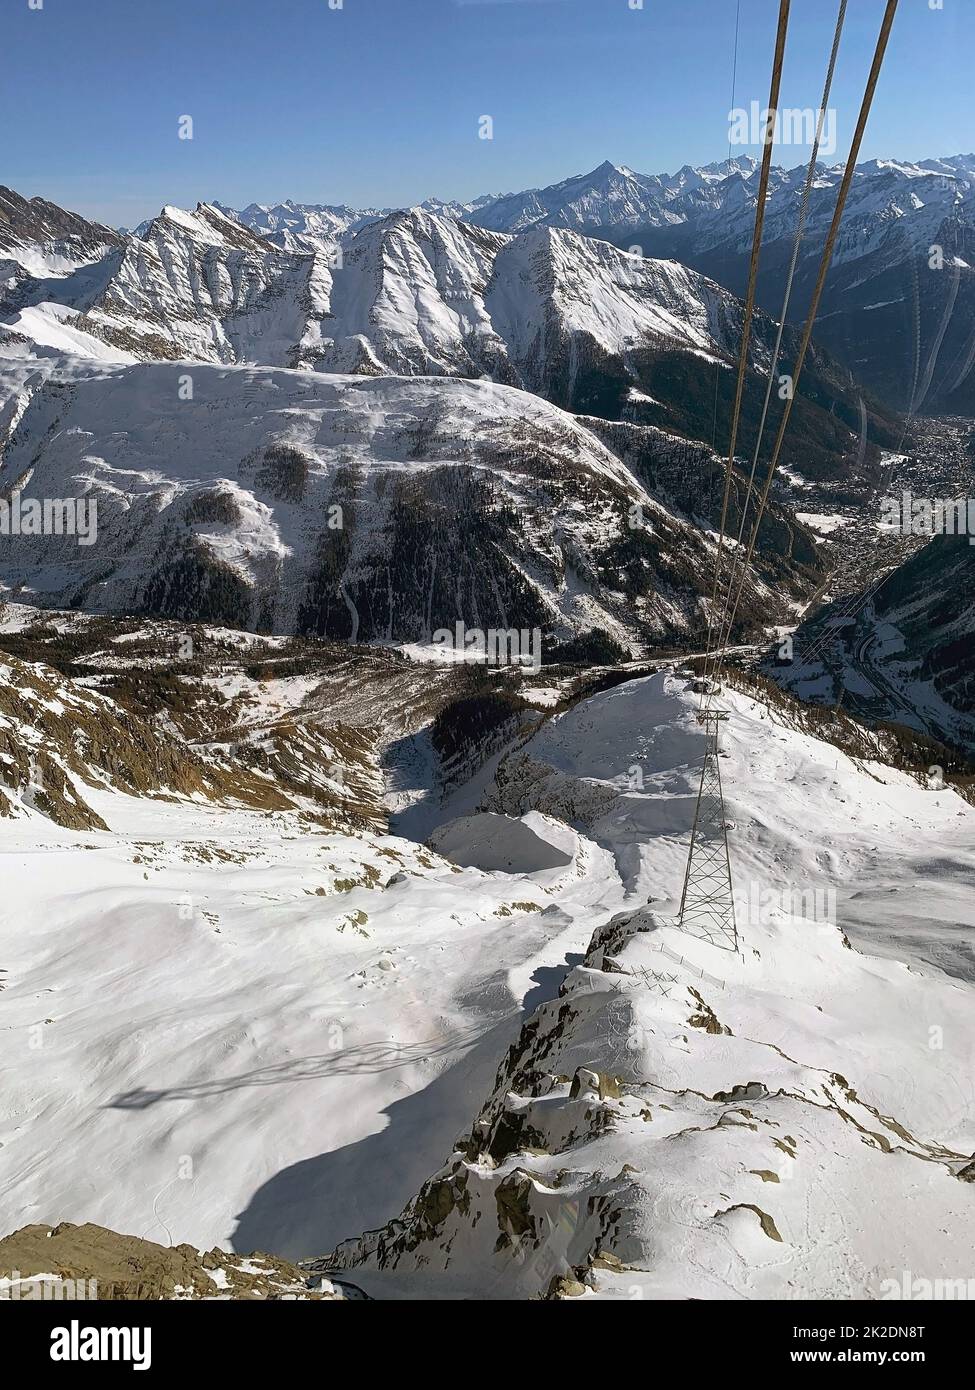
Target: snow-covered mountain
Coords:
[[587, 326], [195, 285], [366, 507], [900, 298], [425, 294], [39, 239], [53, 263]]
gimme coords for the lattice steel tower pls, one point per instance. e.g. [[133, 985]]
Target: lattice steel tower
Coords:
[[707, 905]]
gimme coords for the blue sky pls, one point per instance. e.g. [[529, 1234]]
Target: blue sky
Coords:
[[377, 103]]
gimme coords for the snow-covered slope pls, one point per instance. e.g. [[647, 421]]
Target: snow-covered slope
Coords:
[[793, 1121], [210, 991], [358, 507], [271, 1040]]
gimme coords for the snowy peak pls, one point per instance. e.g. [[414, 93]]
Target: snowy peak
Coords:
[[608, 196], [421, 294], [209, 225], [745, 165], [201, 285], [48, 253]]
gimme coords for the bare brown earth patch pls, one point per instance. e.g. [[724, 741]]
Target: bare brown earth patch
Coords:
[[127, 1267]]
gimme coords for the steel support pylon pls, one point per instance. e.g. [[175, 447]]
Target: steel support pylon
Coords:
[[707, 905]]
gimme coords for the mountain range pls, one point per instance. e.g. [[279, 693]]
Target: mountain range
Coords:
[[882, 290], [560, 381], [563, 395], [589, 327]]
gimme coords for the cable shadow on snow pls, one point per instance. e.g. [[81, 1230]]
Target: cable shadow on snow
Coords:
[[370, 1059], [308, 1208]]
